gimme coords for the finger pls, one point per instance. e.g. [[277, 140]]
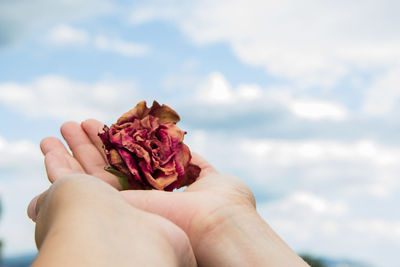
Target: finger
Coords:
[[86, 153], [53, 144], [82, 148], [59, 165], [32, 209], [92, 128], [58, 160], [206, 168], [35, 204]]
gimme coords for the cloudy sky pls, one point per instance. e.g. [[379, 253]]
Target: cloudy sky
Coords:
[[296, 98]]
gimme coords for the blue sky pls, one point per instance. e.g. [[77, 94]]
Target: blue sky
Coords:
[[299, 100]]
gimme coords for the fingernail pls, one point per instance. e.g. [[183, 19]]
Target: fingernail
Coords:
[[32, 208]]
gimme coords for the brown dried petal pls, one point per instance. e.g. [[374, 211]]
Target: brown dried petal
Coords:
[[161, 181], [138, 112], [164, 113], [191, 174]]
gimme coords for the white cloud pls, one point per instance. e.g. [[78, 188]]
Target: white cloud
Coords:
[[383, 95], [325, 227], [311, 43], [65, 35], [316, 110], [364, 167], [312, 202], [249, 91], [120, 46], [17, 230], [389, 230], [22, 177], [18, 153], [58, 97], [216, 90], [302, 217]]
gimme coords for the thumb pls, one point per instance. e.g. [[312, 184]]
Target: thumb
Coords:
[[35, 204]]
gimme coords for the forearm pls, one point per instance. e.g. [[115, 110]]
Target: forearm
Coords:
[[245, 239]]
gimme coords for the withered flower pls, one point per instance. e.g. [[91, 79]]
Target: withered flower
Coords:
[[145, 149]]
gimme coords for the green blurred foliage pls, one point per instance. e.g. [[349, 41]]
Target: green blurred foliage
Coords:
[[1, 241], [313, 261]]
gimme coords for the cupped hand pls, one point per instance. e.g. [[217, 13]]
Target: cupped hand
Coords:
[[81, 215], [202, 210]]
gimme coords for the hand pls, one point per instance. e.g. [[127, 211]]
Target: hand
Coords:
[[217, 212], [82, 221]]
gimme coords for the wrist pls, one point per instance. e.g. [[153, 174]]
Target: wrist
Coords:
[[242, 238]]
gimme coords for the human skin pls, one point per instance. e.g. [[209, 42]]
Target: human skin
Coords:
[[217, 212], [82, 221]]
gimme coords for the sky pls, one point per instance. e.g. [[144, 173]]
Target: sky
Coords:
[[298, 99]]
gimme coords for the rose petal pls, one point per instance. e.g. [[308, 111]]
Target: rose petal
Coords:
[[131, 164], [104, 136], [161, 180], [192, 172], [140, 153], [182, 158], [117, 132], [175, 134], [117, 162], [164, 156], [149, 122], [164, 113], [170, 136], [168, 168], [138, 112]]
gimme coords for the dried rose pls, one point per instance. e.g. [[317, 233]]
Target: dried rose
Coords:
[[145, 149]]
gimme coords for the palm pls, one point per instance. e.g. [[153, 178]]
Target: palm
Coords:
[[209, 193]]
